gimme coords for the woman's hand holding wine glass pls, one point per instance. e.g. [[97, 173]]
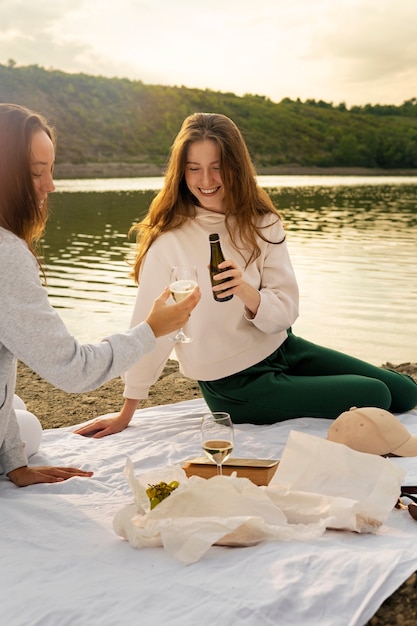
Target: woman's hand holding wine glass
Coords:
[[165, 318], [182, 282]]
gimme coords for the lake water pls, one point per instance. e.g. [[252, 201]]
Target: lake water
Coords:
[[352, 240]]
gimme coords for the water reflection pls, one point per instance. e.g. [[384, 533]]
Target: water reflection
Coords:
[[352, 245]]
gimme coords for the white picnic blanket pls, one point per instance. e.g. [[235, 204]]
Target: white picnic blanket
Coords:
[[63, 564]]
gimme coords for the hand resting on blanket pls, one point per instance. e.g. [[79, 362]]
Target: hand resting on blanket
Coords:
[[24, 476]]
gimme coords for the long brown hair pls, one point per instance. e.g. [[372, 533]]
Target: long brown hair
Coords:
[[20, 210], [244, 199]]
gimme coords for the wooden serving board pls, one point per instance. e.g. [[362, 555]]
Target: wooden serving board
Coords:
[[259, 471]]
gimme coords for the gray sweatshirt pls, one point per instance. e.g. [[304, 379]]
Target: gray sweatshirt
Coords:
[[32, 331]]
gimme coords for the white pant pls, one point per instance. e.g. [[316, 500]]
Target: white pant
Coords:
[[30, 427]]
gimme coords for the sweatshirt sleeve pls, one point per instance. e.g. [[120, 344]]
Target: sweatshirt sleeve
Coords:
[[279, 304], [143, 374], [33, 332]]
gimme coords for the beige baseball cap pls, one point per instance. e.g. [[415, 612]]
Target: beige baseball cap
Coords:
[[373, 430]]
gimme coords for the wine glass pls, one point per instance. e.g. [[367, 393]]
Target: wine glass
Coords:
[[217, 437], [182, 281]]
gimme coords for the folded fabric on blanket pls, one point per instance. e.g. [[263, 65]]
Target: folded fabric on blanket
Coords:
[[63, 557], [341, 489]]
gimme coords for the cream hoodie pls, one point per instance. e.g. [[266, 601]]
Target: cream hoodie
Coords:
[[225, 339]]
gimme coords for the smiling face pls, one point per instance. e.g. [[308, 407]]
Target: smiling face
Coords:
[[42, 157], [202, 175]]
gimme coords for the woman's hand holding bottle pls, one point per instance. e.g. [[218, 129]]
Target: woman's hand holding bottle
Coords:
[[232, 275], [227, 279]]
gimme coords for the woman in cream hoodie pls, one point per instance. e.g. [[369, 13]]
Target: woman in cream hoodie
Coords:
[[244, 355]]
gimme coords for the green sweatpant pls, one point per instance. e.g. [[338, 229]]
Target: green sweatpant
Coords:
[[301, 379]]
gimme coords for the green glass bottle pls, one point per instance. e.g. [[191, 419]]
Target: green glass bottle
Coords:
[[216, 257]]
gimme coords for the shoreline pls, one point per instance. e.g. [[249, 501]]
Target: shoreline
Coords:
[[67, 171], [56, 408]]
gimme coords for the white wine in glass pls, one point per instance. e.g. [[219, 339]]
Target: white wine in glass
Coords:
[[182, 282], [217, 437]]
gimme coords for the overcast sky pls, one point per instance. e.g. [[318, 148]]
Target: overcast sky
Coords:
[[352, 51]]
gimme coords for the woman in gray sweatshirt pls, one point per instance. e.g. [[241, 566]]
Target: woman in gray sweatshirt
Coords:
[[30, 329]]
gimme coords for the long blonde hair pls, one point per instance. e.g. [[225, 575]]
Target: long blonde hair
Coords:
[[244, 199]]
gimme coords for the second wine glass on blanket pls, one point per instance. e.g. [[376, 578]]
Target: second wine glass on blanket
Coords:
[[182, 282], [217, 437]]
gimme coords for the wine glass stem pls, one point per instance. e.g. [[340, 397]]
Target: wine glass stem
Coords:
[[219, 470]]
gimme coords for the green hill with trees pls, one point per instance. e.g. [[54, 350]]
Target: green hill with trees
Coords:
[[115, 120]]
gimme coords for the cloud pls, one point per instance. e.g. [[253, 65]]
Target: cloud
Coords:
[[27, 17], [355, 51], [370, 46], [27, 32]]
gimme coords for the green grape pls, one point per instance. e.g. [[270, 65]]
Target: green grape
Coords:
[[157, 493], [151, 492]]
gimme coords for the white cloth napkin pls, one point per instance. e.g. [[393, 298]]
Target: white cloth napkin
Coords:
[[318, 485]]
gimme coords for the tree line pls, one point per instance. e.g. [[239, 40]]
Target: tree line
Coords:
[[110, 120]]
